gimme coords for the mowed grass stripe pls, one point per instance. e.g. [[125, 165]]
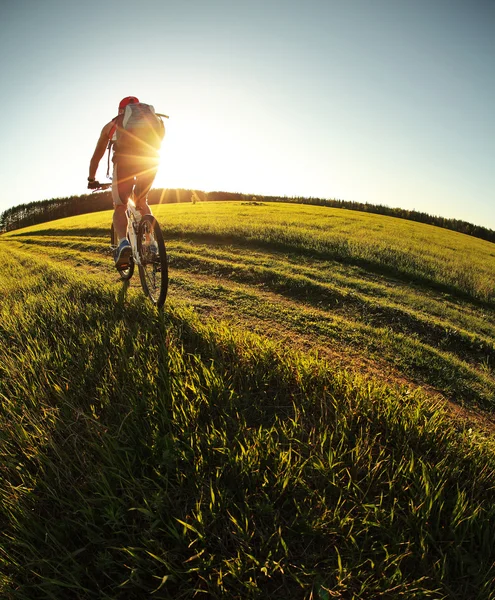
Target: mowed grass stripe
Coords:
[[31, 271], [292, 281], [417, 362], [365, 308], [343, 278], [409, 356], [430, 256]]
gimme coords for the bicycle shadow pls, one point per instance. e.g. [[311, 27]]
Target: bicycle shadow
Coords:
[[122, 295]]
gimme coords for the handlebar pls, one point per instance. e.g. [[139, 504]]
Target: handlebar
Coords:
[[100, 186]]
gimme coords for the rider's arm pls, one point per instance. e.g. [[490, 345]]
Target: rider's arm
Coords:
[[101, 146]]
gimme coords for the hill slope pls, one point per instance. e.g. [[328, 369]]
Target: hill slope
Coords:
[[309, 415]]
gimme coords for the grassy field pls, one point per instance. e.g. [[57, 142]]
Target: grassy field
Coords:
[[310, 416]]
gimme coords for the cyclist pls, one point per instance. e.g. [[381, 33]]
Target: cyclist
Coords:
[[133, 173]]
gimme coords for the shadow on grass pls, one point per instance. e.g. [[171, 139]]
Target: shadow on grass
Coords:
[[122, 295], [158, 454]]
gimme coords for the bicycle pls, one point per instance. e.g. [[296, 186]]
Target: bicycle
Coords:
[[148, 252]]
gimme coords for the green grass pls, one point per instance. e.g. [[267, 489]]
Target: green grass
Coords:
[[297, 423]]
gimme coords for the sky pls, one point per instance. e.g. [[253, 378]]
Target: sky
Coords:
[[380, 101]]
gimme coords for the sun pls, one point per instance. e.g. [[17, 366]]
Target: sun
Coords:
[[205, 152]]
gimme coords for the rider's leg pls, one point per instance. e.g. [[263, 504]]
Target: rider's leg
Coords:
[[122, 184], [120, 221], [144, 180]]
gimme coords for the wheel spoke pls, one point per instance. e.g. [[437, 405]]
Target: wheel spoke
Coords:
[[153, 270]]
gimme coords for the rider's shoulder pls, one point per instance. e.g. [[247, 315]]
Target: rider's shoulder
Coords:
[[107, 128]]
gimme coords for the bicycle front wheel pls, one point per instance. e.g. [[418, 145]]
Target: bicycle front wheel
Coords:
[[153, 270], [127, 272]]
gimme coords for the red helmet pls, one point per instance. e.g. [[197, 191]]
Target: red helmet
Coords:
[[127, 100]]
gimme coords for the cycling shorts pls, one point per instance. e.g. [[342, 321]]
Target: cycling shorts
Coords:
[[132, 179]]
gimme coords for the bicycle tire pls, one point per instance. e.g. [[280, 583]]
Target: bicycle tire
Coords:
[[153, 270], [127, 272]]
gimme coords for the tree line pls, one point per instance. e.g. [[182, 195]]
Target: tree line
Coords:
[[32, 213]]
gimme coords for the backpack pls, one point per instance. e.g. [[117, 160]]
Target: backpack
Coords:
[[138, 133]]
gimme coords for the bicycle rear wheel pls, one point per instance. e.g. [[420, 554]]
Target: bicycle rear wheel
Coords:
[[153, 270], [127, 272]]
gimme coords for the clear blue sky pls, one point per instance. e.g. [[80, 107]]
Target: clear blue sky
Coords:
[[382, 101]]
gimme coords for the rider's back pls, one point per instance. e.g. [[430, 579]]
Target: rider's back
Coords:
[[137, 134]]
